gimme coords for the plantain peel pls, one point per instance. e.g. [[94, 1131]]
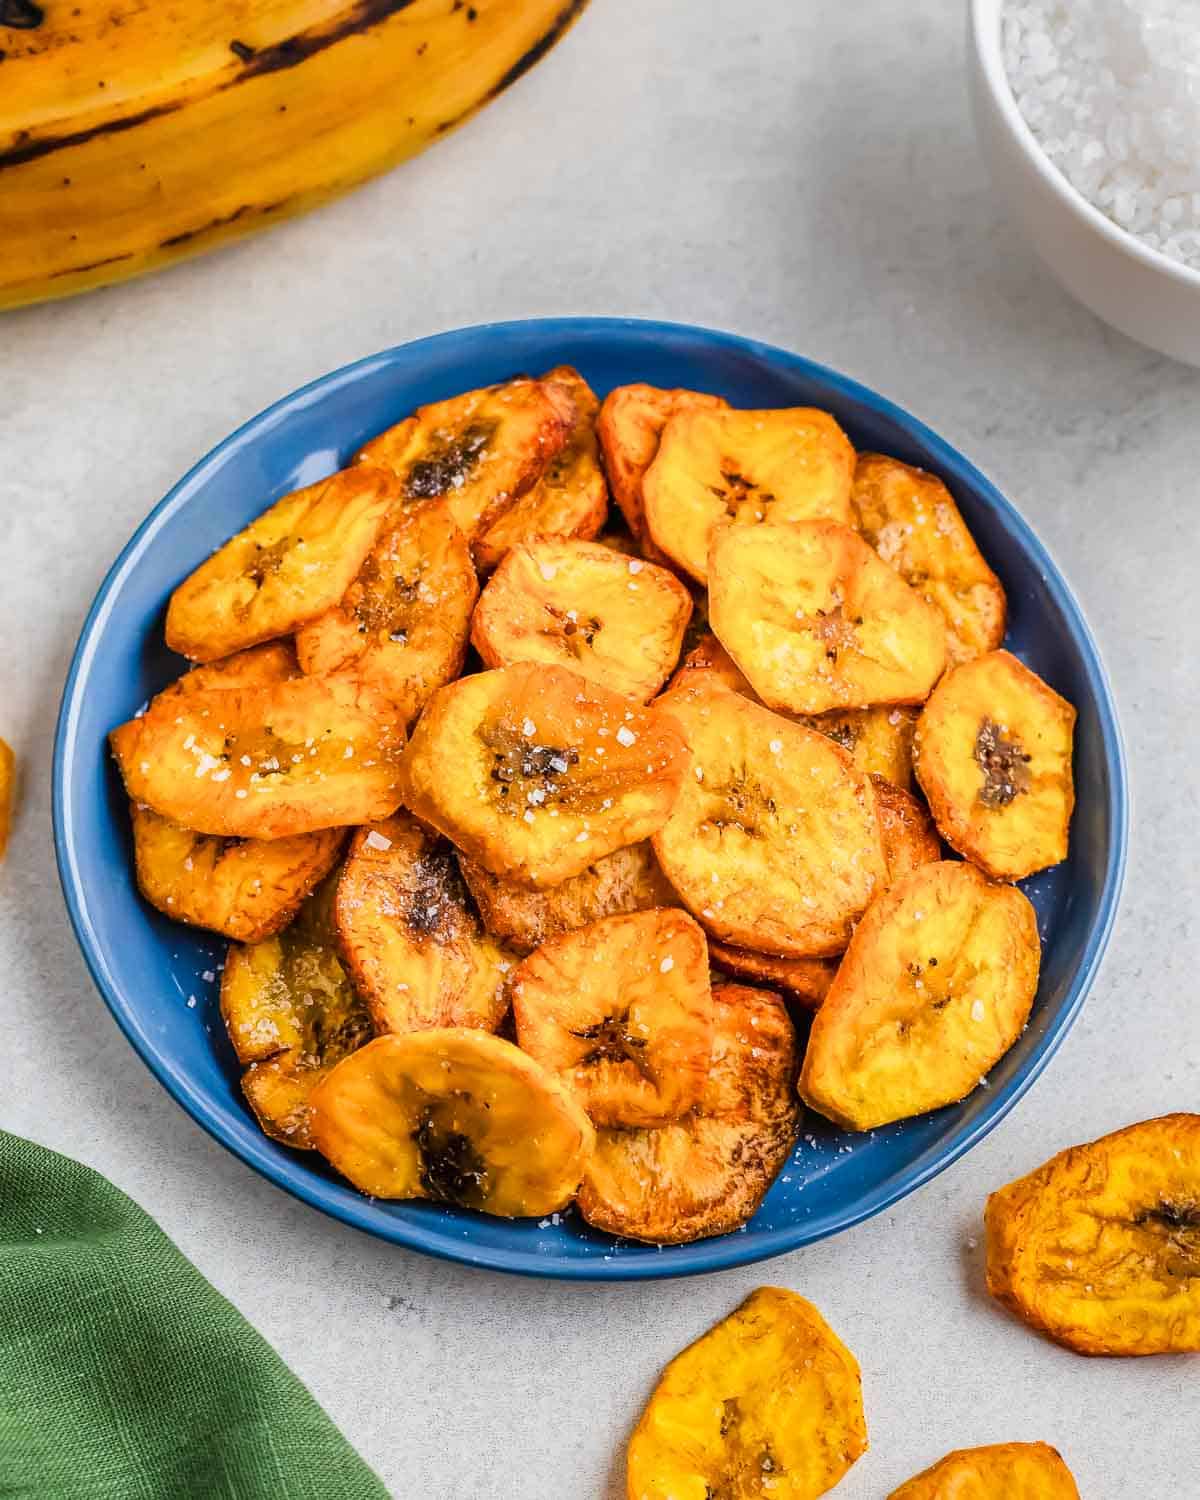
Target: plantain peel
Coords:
[[291, 1013], [993, 756], [622, 1013], [766, 1404], [414, 945], [935, 987], [571, 497], [817, 622], [267, 762], [1002, 1471], [478, 452], [618, 621], [456, 1116], [1100, 1247], [706, 1173], [550, 772], [775, 842], [287, 567], [748, 468], [402, 625], [911, 520]]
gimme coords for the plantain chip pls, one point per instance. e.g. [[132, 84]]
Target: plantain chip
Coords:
[[479, 452], [817, 622], [806, 980], [775, 842], [571, 497], [911, 520], [550, 772], [706, 1173], [615, 620], [745, 467], [1100, 1247], [909, 837], [1003, 1471], [709, 664], [767, 1403], [456, 1116], [626, 880], [8, 792], [248, 889], [992, 752], [289, 566], [621, 1012], [291, 1014], [267, 762], [629, 427], [935, 987], [409, 936], [403, 624], [257, 666]]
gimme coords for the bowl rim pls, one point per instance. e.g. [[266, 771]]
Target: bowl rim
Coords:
[[722, 1251], [985, 31]]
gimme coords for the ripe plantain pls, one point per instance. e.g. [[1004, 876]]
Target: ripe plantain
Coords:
[[134, 135]]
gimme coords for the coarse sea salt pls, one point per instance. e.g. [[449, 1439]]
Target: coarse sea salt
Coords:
[[1111, 90]]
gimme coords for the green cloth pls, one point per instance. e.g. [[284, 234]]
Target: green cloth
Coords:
[[124, 1375]]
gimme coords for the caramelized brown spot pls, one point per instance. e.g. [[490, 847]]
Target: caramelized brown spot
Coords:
[[451, 1170], [448, 464], [1004, 764]]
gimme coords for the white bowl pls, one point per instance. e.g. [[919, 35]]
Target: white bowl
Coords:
[[1140, 291]]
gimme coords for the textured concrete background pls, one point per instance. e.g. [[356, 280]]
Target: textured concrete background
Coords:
[[806, 175]]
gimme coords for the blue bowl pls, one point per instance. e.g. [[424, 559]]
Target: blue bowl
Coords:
[[159, 980]]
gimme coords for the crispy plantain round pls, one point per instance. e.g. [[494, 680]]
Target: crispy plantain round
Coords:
[[909, 837], [935, 987], [746, 467], [8, 792], [707, 1173], [621, 1011], [615, 620], [817, 622], [289, 566], [1001, 1471], [767, 1403], [410, 937], [549, 772], [571, 497], [993, 756], [626, 880], [1100, 1247], [775, 842], [456, 1116], [257, 666], [805, 980], [910, 518], [402, 625]]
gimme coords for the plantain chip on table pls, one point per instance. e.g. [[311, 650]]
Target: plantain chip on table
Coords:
[[8, 787], [1001, 1471]]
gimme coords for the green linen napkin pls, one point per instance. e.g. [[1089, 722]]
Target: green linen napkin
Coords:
[[124, 1375]]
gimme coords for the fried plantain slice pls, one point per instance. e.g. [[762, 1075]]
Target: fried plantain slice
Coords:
[[291, 1014], [409, 936], [935, 987], [767, 1403], [615, 620], [706, 1173], [909, 837], [629, 427], [550, 772], [267, 762], [403, 624], [8, 790], [626, 880], [775, 842], [806, 980], [248, 889], [257, 666], [747, 468], [621, 1012], [456, 1116], [817, 622], [910, 518], [289, 566], [1002, 1471], [1100, 1247], [571, 497], [992, 753], [479, 452]]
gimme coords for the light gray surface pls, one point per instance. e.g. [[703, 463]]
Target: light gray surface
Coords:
[[812, 182]]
